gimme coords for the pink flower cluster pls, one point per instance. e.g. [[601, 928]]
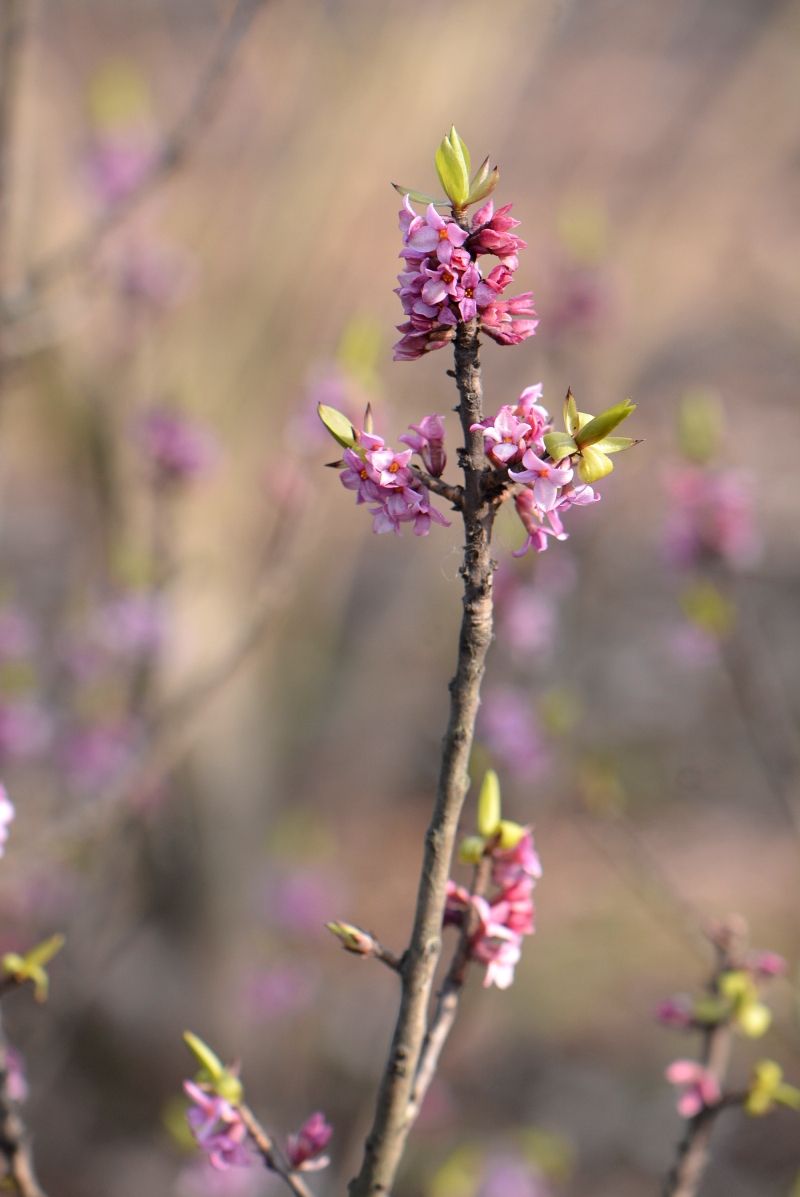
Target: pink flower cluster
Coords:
[[700, 1088], [500, 923], [383, 478], [442, 283], [516, 436], [710, 519], [217, 1128], [304, 1149]]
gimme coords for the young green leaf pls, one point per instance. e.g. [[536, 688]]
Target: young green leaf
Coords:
[[338, 425]]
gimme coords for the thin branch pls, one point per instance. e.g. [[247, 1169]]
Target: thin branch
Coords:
[[447, 1002], [453, 494], [386, 1140], [173, 152], [14, 1139], [269, 1154]]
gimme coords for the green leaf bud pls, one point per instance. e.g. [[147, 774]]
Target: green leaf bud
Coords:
[[489, 805], [337, 425]]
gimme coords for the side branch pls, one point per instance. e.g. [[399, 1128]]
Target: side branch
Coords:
[[387, 1138]]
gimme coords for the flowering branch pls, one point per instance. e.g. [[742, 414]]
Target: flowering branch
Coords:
[[732, 1003], [386, 1140]]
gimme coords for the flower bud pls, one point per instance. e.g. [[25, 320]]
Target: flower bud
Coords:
[[452, 166], [353, 939], [489, 805]]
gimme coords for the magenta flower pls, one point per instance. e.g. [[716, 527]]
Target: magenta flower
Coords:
[[442, 283], [498, 925], [7, 815], [383, 478], [177, 449], [491, 234], [710, 518], [700, 1087], [217, 1128], [512, 865], [432, 233], [676, 1012], [766, 965], [505, 439], [427, 439], [303, 1150]]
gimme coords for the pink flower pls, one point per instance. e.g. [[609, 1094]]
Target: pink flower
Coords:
[[509, 321], [511, 865], [766, 965], [176, 448], [435, 234], [442, 283], [303, 1149], [382, 477], [217, 1128], [427, 439], [546, 479], [505, 439], [676, 1012], [700, 1087], [710, 518], [7, 815], [492, 234]]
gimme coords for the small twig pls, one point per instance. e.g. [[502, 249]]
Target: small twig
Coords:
[[269, 1153], [172, 153], [453, 494], [14, 1139]]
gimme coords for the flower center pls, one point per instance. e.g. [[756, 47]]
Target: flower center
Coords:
[[363, 474], [394, 467], [443, 233]]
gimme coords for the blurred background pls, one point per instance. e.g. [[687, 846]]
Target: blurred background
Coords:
[[221, 697]]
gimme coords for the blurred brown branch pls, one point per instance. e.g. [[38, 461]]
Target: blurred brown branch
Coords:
[[174, 150]]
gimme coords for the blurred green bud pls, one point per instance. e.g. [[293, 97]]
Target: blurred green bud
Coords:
[[700, 425], [352, 938], [213, 1073], [31, 966], [767, 1089], [337, 425], [603, 425], [510, 834], [453, 167], [754, 1019], [489, 805], [471, 849], [704, 606]]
